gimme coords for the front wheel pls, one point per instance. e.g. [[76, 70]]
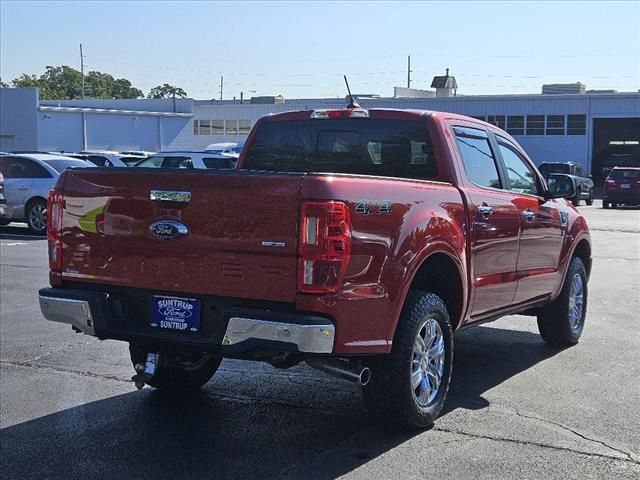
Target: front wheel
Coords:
[[37, 217], [590, 198], [576, 199], [177, 372], [562, 321], [409, 386]]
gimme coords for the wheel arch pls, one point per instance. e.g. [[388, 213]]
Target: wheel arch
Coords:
[[29, 202], [442, 274]]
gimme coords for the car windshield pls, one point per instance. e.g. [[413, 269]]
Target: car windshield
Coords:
[[622, 174], [60, 164], [392, 148], [547, 168]]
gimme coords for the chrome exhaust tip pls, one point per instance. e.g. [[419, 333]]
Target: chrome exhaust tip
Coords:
[[341, 368]]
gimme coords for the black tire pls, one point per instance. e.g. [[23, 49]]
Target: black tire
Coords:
[[389, 395], [606, 205], [590, 198], [576, 199], [557, 324], [36, 213], [614, 205], [178, 375], [4, 223]]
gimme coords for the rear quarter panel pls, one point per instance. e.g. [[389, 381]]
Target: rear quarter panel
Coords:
[[387, 250]]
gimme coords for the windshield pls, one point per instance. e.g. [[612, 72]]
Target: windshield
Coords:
[[548, 168], [60, 164], [393, 148]]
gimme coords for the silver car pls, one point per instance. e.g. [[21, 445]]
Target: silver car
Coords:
[[28, 177]]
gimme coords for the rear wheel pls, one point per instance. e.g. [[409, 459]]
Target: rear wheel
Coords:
[[562, 321], [37, 216], [409, 386], [4, 222], [614, 204], [177, 372]]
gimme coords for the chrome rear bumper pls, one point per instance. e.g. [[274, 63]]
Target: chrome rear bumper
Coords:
[[308, 338], [245, 330], [76, 313]]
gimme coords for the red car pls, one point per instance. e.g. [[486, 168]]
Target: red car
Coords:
[[355, 240], [622, 186]]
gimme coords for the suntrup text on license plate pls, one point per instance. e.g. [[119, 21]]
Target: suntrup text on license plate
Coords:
[[175, 313]]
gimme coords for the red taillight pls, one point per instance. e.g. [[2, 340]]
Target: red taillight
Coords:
[[54, 229], [325, 246]]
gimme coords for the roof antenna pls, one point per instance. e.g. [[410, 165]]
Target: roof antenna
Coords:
[[352, 101]]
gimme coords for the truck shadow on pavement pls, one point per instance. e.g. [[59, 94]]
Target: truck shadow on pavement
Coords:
[[293, 424]]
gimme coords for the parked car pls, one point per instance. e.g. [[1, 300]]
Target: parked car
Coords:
[[3, 200], [231, 149], [582, 182], [188, 160], [354, 240], [100, 158], [28, 177], [622, 186]]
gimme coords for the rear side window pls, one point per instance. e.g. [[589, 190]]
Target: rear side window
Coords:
[[15, 167], [390, 148], [477, 157], [219, 163]]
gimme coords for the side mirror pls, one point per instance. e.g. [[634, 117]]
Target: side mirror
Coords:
[[560, 186]]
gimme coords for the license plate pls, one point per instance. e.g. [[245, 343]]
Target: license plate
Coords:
[[175, 313], [625, 185]]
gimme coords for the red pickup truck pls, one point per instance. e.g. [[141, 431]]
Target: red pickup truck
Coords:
[[354, 240]]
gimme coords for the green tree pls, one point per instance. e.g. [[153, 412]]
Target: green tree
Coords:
[[64, 82], [166, 91]]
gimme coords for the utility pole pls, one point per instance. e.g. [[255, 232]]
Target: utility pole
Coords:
[[82, 70], [221, 85], [409, 71]]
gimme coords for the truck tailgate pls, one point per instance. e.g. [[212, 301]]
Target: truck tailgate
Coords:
[[241, 241]]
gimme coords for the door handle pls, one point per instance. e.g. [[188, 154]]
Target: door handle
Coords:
[[528, 215], [485, 210], [23, 188]]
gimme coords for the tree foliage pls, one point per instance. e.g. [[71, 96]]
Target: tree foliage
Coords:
[[166, 91], [64, 82]]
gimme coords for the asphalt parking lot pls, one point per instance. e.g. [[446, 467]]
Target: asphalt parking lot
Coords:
[[516, 408]]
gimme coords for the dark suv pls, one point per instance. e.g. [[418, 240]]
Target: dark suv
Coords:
[[583, 182]]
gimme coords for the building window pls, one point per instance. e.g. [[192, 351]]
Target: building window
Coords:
[[481, 117], [515, 125], [555, 124], [535, 124], [497, 120], [244, 127], [576, 124], [232, 127], [195, 127], [204, 127], [217, 127]]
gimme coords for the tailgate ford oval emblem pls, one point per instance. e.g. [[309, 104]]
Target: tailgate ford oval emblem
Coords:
[[168, 229]]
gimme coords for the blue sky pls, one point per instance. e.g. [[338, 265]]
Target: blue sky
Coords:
[[301, 49]]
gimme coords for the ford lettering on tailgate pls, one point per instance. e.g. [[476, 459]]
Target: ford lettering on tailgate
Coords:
[[175, 313]]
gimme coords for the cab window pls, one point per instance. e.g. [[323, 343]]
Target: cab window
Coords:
[[477, 157], [522, 178]]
